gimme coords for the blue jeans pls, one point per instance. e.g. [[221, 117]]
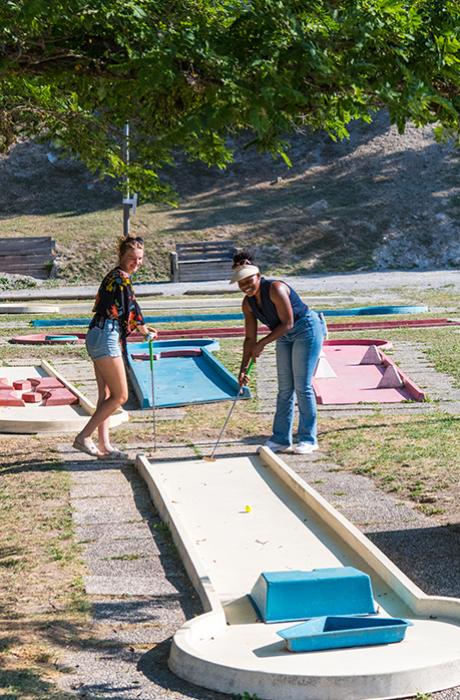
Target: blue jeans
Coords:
[[297, 354], [105, 341]]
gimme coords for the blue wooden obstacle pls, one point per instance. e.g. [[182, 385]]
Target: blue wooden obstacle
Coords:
[[184, 318], [181, 380], [288, 596], [332, 632]]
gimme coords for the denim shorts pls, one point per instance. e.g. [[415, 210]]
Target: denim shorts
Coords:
[[105, 341]]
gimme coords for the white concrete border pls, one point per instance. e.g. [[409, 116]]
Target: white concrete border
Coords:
[[28, 309], [37, 419], [391, 671]]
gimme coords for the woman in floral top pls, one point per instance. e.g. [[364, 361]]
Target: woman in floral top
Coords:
[[116, 315]]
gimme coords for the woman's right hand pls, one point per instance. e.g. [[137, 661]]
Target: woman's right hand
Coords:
[[243, 378], [151, 334]]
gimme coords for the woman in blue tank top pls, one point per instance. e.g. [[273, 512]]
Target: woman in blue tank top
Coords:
[[299, 333]]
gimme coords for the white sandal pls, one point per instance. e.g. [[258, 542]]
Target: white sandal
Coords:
[[90, 450], [114, 454]]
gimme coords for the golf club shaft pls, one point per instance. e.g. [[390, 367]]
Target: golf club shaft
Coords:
[[211, 456], [152, 382]]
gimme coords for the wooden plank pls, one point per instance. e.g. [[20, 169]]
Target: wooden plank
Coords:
[[26, 253], [205, 251], [9, 246], [204, 245], [204, 272], [204, 259], [31, 257], [220, 265], [204, 278], [33, 239]]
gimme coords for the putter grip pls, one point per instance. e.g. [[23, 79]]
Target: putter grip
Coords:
[[249, 367]]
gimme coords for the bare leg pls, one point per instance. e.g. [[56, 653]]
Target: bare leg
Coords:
[[110, 371], [103, 393]]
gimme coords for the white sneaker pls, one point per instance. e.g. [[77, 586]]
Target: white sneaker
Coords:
[[304, 448], [276, 447]]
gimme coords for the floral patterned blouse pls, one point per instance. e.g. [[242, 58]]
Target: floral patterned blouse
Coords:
[[115, 300]]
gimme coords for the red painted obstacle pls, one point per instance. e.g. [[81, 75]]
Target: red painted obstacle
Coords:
[[40, 339], [49, 390], [193, 352], [22, 385], [32, 397], [236, 331], [45, 383], [59, 397], [10, 398]]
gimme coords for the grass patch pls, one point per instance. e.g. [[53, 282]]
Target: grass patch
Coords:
[[415, 457], [43, 606]]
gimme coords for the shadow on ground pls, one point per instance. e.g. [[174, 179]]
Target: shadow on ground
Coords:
[[412, 549]]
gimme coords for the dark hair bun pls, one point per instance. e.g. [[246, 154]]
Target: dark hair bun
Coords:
[[244, 257]]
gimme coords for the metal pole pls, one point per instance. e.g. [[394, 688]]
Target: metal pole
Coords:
[[240, 389], [152, 387], [126, 207]]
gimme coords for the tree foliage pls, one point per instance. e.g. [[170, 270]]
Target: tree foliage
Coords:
[[189, 73]]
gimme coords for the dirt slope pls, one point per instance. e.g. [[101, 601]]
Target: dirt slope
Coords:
[[379, 200]]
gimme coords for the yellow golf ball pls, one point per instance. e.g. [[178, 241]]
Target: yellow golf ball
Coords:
[[247, 509]]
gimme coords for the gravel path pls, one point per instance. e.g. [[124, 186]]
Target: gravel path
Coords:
[[374, 284]]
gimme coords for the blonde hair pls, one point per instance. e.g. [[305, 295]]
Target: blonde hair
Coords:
[[126, 243]]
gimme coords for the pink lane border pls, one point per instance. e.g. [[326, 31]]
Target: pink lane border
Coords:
[[412, 388], [409, 384], [236, 331]]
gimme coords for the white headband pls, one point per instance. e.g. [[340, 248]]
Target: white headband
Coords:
[[244, 271]]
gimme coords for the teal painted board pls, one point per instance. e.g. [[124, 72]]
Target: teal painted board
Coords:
[[288, 596], [178, 318], [181, 380], [331, 632], [184, 318], [376, 311], [62, 338]]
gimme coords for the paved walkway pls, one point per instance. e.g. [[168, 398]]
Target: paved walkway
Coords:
[[376, 283]]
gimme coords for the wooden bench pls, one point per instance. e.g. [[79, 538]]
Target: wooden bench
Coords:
[[200, 262], [29, 255]]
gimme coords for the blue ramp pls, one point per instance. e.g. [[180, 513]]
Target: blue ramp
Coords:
[[181, 380]]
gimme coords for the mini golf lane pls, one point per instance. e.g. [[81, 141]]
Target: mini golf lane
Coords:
[[39, 418], [359, 383], [235, 331], [184, 318], [181, 380], [290, 527]]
